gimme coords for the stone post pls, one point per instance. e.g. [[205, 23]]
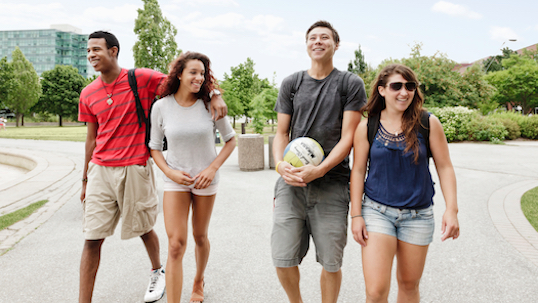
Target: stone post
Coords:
[[250, 152], [271, 159]]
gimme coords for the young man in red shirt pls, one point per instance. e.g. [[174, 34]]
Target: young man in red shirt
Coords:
[[118, 177]]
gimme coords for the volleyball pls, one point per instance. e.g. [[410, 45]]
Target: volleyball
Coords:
[[303, 151]]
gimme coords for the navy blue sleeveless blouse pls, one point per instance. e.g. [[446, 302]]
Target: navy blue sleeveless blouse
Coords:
[[393, 177]]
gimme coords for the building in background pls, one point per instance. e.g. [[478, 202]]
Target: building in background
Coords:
[[62, 44]]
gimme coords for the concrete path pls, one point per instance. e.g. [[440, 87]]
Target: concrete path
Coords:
[[493, 261]]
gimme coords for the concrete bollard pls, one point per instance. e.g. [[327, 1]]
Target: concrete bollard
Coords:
[[250, 152], [271, 159]]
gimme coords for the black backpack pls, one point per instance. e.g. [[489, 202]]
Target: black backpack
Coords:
[[373, 125], [140, 110], [343, 80]]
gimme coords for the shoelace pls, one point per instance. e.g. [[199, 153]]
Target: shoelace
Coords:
[[153, 281]]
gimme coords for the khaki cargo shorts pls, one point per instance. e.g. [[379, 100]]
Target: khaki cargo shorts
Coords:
[[124, 191]]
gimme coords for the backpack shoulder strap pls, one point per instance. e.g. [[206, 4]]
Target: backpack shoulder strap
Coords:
[[343, 85], [372, 125], [297, 79], [134, 87], [425, 130]]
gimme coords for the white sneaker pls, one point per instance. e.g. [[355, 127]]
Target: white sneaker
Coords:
[[156, 286]]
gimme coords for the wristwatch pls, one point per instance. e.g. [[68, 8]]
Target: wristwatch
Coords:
[[214, 92]]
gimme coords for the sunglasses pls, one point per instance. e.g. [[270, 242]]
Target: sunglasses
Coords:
[[409, 86]]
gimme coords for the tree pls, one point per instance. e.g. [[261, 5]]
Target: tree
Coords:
[[240, 87], [263, 108], [358, 65], [61, 92], [6, 81], [493, 64], [156, 46], [476, 91], [517, 83], [25, 87]]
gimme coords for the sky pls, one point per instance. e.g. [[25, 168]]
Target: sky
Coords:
[[272, 33]]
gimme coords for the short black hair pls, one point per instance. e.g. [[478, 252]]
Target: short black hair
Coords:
[[323, 23], [110, 39]]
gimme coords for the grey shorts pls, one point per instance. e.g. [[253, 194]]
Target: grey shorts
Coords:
[[320, 209]]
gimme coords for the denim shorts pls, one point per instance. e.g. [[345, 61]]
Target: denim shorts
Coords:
[[414, 226], [319, 210]]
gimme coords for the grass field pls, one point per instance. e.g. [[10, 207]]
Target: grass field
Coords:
[[64, 133], [78, 133], [16, 216], [529, 206]]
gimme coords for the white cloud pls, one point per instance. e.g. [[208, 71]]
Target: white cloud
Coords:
[[455, 10], [27, 16], [208, 2], [119, 14], [502, 33], [265, 24]]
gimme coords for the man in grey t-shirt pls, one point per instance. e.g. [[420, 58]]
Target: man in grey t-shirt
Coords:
[[314, 200]]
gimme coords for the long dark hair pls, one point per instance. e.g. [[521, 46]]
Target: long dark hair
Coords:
[[411, 116], [171, 84]]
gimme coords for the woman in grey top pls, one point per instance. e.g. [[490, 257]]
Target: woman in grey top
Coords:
[[191, 165]]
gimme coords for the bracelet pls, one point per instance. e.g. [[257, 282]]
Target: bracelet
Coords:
[[85, 179], [356, 216], [276, 168]]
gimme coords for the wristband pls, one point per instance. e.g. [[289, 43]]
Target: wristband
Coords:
[[356, 216], [85, 179], [214, 92], [276, 168]]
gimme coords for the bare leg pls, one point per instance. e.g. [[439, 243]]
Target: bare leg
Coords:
[[151, 241], [377, 258], [411, 259], [89, 264], [330, 286], [202, 207], [176, 207], [289, 278]]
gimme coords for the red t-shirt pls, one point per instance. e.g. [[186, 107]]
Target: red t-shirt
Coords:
[[120, 140]]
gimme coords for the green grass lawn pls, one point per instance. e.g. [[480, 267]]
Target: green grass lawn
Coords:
[[529, 205], [16, 216], [64, 133], [78, 133]]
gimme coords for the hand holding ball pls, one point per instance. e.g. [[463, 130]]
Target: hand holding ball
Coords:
[[303, 151]]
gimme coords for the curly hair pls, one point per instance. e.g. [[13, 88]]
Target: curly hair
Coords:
[[171, 83], [411, 116]]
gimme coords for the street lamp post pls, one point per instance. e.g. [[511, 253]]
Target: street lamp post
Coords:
[[492, 58]]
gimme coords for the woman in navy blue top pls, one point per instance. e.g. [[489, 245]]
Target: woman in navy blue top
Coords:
[[392, 211]]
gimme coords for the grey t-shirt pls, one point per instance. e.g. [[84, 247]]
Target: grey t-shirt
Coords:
[[327, 120], [190, 133]]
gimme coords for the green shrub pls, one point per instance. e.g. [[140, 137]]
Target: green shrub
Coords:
[[529, 127], [513, 129], [455, 120], [487, 129]]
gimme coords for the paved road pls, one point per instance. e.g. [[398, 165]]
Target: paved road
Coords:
[[481, 266]]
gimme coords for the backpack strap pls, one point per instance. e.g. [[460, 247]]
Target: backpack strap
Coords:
[[373, 126], [297, 79], [343, 85], [425, 130], [134, 87]]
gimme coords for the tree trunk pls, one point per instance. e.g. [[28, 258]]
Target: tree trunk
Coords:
[[234, 123], [60, 120], [22, 119], [17, 116]]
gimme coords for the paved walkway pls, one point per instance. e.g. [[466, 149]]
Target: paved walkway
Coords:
[[495, 259]]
